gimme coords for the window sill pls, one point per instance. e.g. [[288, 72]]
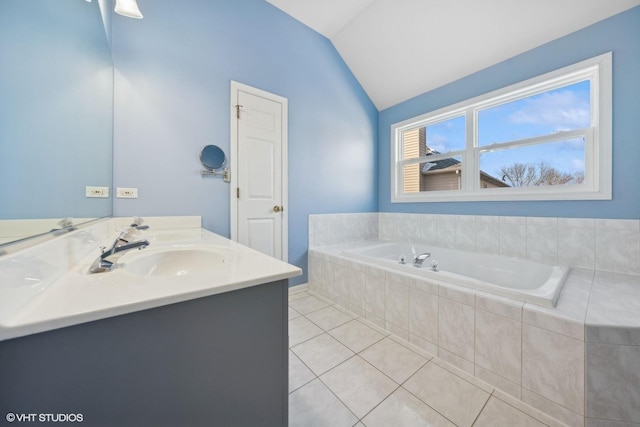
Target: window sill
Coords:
[[499, 195]]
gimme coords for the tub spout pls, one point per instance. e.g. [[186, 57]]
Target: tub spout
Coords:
[[419, 259]]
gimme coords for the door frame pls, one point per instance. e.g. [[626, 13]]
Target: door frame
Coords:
[[233, 199]]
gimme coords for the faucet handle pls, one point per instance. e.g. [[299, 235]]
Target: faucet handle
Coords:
[[127, 234], [137, 224]]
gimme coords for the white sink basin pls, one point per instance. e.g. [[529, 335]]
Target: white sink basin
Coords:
[[174, 261]]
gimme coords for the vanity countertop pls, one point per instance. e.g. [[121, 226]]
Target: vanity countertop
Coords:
[[47, 297]]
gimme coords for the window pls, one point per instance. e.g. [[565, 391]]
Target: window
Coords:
[[548, 138]]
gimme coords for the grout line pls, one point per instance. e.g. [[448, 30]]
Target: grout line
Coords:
[[302, 361], [482, 409], [536, 417], [379, 403], [329, 388], [418, 397]]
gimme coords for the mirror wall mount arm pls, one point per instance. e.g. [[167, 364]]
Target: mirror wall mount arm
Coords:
[[225, 174], [213, 159]]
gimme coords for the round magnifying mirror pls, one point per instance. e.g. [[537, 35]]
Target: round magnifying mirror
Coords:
[[212, 157]]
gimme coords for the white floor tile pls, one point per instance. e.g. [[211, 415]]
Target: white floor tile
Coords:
[[299, 373], [329, 317], [395, 360], [293, 314], [322, 353], [404, 409], [450, 395], [356, 335], [297, 295], [358, 385], [313, 405], [301, 329], [307, 304], [496, 413]]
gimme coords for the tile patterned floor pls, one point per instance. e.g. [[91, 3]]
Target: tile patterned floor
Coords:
[[343, 371]]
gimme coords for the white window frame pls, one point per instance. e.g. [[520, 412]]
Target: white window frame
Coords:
[[597, 184]]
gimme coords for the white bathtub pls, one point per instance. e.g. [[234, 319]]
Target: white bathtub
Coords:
[[520, 279]]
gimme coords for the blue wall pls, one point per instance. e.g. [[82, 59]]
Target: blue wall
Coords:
[[172, 89], [56, 104], [619, 34]]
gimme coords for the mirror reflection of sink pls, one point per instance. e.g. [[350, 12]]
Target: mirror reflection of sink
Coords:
[[175, 261]]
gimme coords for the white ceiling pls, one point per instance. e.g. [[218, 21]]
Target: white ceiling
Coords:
[[398, 49]]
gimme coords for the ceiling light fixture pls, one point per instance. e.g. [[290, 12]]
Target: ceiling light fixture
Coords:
[[128, 8]]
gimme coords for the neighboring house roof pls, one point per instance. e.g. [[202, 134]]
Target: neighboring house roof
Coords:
[[493, 179], [439, 164], [454, 165]]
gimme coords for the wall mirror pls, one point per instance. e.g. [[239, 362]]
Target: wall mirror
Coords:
[[56, 115], [213, 159]]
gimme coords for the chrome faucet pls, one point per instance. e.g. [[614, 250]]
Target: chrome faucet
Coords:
[[108, 258], [137, 224], [419, 259], [65, 225]]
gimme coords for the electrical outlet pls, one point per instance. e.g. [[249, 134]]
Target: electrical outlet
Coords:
[[97, 191], [127, 193]]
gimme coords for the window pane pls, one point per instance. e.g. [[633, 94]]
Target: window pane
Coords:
[[554, 163], [441, 137], [562, 109], [446, 136], [443, 174]]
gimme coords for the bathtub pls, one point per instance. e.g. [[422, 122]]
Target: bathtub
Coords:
[[519, 279]]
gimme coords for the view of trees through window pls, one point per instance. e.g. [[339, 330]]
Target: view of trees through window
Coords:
[[550, 163], [518, 159]]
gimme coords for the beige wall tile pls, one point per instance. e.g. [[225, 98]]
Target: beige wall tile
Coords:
[[456, 328], [553, 367], [498, 345]]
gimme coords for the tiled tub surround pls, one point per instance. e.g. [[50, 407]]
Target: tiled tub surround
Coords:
[[521, 279], [536, 354], [597, 244]]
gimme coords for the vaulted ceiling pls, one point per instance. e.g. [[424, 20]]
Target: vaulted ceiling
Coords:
[[398, 49]]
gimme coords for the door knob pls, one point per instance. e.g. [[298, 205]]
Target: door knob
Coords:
[[278, 208]]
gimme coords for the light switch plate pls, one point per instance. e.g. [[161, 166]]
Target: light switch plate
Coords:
[[97, 192], [126, 193]]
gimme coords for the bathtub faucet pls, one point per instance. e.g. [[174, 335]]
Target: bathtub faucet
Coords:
[[419, 259], [109, 257]]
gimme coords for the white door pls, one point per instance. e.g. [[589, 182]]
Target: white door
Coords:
[[258, 152]]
